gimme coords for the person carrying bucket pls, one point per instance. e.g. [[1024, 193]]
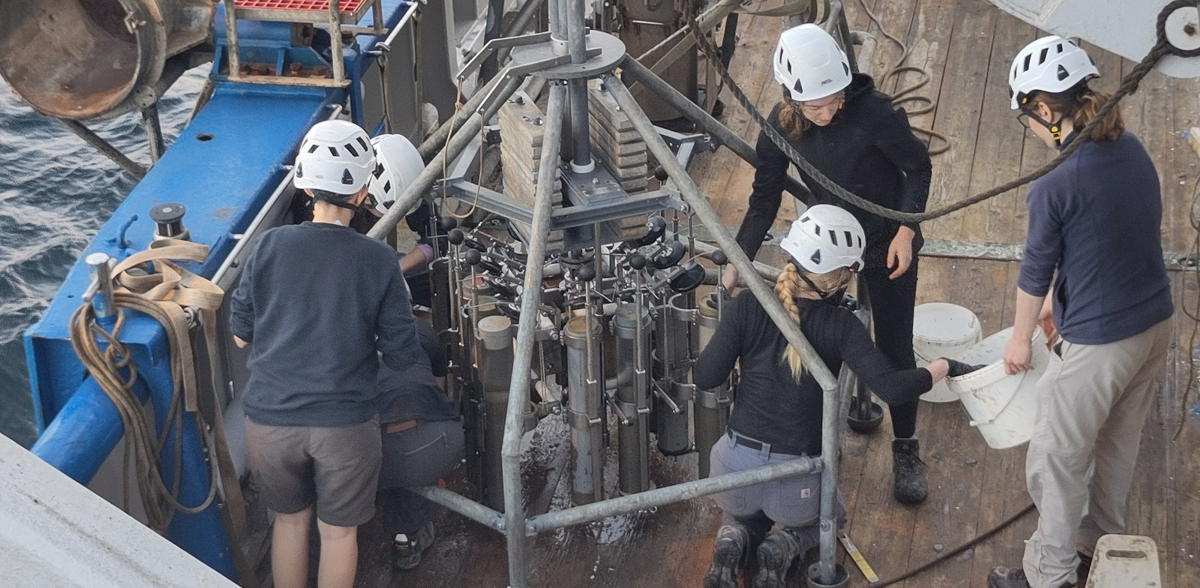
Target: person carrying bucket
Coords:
[[777, 412], [846, 128], [1095, 221]]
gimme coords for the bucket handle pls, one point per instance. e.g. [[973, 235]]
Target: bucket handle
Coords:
[[992, 420]]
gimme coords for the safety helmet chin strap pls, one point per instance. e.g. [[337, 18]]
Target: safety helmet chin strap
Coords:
[[344, 202], [822, 293], [1055, 127]]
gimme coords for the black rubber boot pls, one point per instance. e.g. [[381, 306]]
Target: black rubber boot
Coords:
[[728, 554], [908, 471], [775, 557]]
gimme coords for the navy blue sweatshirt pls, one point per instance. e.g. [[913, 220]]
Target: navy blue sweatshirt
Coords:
[[1096, 219], [868, 148], [771, 405], [413, 393], [318, 303]]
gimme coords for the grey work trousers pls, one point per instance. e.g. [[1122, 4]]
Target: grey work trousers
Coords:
[[1090, 411], [416, 457]]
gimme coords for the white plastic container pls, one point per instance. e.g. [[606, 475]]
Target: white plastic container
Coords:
[[943, 330], [1001, 406]]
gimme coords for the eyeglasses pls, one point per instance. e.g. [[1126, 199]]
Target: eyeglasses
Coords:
[[1023, 118]]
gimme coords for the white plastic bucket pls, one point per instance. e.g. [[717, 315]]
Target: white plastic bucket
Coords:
[[1001, 406], [943, 330]]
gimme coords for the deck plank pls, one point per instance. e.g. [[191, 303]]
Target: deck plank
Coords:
[[967, 45]]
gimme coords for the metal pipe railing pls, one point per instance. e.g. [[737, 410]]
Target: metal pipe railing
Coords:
[[791, 330], [670, 494], [643, 75], [464, 506], [433, 171], [435, 142], [510, 452]]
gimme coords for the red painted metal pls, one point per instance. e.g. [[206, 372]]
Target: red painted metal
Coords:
[[349, 6]]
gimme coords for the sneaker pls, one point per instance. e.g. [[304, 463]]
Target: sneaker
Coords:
[[1002, 577], [775, 556], [407, 548], [908, 471], [728, 554]]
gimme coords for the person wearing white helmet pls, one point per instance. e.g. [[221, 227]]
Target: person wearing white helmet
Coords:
[[318, 304], [777, 413], [840, 123], [399, 165], [1092, 275]]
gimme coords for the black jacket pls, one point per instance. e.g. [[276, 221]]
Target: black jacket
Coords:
[[413, 393], [868, 149], [771, 405]]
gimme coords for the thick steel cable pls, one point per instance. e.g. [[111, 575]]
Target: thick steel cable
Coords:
[[1128, 85]]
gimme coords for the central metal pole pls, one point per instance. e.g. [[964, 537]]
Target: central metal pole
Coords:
[[510, 452], [581, 145], [790, 330]]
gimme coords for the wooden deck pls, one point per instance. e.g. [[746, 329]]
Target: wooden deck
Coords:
[[966, 45]]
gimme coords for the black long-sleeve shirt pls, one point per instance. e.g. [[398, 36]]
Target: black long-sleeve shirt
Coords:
[[771, 405], [868, 148], [413, 393], [318, 303]]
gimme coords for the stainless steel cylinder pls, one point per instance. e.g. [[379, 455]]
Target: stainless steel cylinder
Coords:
[[632, 398], [585, 390], [495, 371], [102, 297], [712, 405], [672, 410]]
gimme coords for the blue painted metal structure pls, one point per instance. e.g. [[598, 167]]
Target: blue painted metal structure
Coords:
[[223, 167]]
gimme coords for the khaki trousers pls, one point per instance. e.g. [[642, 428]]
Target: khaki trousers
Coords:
[[1090, 412]]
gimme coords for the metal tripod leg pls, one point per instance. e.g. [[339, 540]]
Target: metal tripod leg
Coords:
[[514, 509]]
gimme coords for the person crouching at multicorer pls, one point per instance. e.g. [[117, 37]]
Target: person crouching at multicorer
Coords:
[[318, 304], [399, 164], [849, 131], [422, 441], [777, 410], [1093, 273]]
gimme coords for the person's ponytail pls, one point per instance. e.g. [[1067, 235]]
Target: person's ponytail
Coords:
[[1088, 106]]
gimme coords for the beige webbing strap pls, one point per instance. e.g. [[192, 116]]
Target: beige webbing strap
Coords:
[[172, 288]]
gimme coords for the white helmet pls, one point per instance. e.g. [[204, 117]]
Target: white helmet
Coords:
[[825, 238], [809, 63], [399, 163], [1050, 64], [336, 156]]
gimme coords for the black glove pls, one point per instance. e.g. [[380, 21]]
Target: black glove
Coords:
[[958, 368]]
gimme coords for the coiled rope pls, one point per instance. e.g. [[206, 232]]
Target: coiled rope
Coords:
[[905, 94], [169, 294], [1129, 84]]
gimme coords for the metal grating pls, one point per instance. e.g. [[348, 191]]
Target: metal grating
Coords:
[[300, 5]]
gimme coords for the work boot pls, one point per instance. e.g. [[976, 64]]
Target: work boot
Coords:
[[407, 548], [728, 554], [908, 471], [1002, 577], [775, 557]]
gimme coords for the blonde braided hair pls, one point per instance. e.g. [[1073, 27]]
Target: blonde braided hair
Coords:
[[789, 287]]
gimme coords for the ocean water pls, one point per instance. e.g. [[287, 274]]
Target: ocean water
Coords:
[[55, 193]]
